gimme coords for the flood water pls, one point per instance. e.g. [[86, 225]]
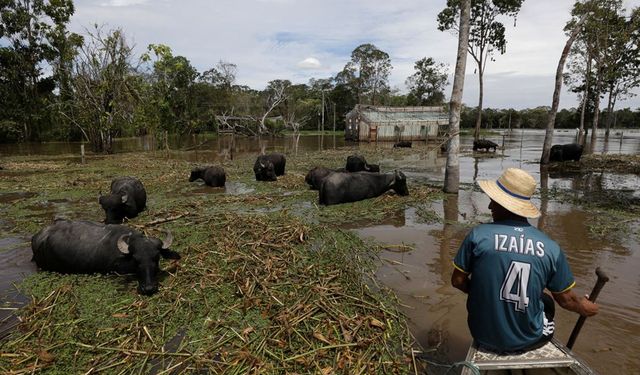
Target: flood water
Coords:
[[420, 268]]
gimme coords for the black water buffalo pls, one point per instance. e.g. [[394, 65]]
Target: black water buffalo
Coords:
[[317, 174], [127, 199], [484, 144], [357, 163], [571, 151], [402, 144], [211, 175], [88, 247], [351, 187], [267, 167]]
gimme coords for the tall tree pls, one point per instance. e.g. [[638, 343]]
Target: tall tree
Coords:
[[426, 85], [173, 78], [486, 35], [368, 72], [548, 137], [104, 96], [31, 32], [452, 171]]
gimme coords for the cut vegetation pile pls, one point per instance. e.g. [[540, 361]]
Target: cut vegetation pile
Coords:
[[267, 283]]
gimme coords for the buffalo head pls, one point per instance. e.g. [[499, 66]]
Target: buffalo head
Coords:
[[196, 173], [115, 207], [146, 252], [399, 184]]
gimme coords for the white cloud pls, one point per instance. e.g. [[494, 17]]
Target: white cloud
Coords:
[[123, 3], [274, 39], [309, 63]]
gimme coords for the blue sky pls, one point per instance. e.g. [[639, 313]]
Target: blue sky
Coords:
[[302, 39]]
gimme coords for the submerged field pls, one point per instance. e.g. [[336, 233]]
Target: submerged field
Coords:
[[269, 282]]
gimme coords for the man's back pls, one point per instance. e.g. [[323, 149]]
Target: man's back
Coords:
[[511, 263]]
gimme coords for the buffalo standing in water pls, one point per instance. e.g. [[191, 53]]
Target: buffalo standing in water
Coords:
[[351, 187], [267, 167], [571, 151], [357, 163], [484, 144], [88, 247], [402, 144], [127, 199], [211, 175]]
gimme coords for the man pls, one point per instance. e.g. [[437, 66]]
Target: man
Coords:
[[505, 266]]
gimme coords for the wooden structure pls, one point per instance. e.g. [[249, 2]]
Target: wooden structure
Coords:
[[372, 124]]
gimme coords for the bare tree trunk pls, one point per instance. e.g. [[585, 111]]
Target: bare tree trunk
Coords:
[[548, 137], [596, 110], [610, 105], [476, 132], [452, 171], [584, 100]]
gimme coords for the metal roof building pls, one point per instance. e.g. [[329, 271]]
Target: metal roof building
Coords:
[[372, 124]]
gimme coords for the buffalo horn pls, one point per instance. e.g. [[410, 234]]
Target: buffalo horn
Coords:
[[166, 243], [123, 246], [124, 198], [262, 165]]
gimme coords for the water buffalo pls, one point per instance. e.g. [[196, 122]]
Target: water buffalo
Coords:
[[402, 144], [571, 151], [357, 163], [484, 144], [127, 199], [211, 175], [88, 247], [317, 174], [267, 167], [351, 187]]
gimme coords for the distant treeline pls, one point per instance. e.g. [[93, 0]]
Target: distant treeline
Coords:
[[58, 85], [536, 118]]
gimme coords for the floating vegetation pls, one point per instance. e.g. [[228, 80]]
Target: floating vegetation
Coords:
[[267, 283]]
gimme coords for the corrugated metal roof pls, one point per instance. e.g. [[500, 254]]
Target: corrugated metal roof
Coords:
[[381, 115]]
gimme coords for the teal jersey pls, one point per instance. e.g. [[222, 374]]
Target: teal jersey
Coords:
[[511, 263]]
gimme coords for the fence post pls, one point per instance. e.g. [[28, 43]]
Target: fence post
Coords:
[[82, 152]]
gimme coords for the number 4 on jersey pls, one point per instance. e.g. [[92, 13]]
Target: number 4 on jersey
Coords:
[[514, 286]]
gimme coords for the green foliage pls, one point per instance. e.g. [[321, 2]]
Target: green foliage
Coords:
[[367, 73], [32, 35], [427, 84]]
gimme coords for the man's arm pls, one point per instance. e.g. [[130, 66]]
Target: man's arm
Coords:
[[460, 280], [570, 301]]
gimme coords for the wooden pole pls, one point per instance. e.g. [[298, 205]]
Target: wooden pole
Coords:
[[82, 151], [602, 279]]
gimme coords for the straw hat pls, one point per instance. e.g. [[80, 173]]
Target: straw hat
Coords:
[[513, 191]]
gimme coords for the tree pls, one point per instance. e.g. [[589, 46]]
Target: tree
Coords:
[[487, 34], [104, 96], [452, 170], [426, 85], [548, 137], [368, 72], [32, 33], [172, 79]]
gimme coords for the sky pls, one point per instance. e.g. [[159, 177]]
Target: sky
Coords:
[[302, 39]]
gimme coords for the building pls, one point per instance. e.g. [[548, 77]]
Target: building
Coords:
[[368, 123]]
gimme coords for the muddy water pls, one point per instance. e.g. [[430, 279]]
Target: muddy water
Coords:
[[419, 272], [421, 275]]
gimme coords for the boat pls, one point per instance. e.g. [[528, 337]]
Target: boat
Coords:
[[554, 358]]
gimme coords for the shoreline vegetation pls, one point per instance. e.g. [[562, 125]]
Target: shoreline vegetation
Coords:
[[268, 281]]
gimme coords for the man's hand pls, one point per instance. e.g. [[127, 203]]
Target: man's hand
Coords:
[[588, 308]]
